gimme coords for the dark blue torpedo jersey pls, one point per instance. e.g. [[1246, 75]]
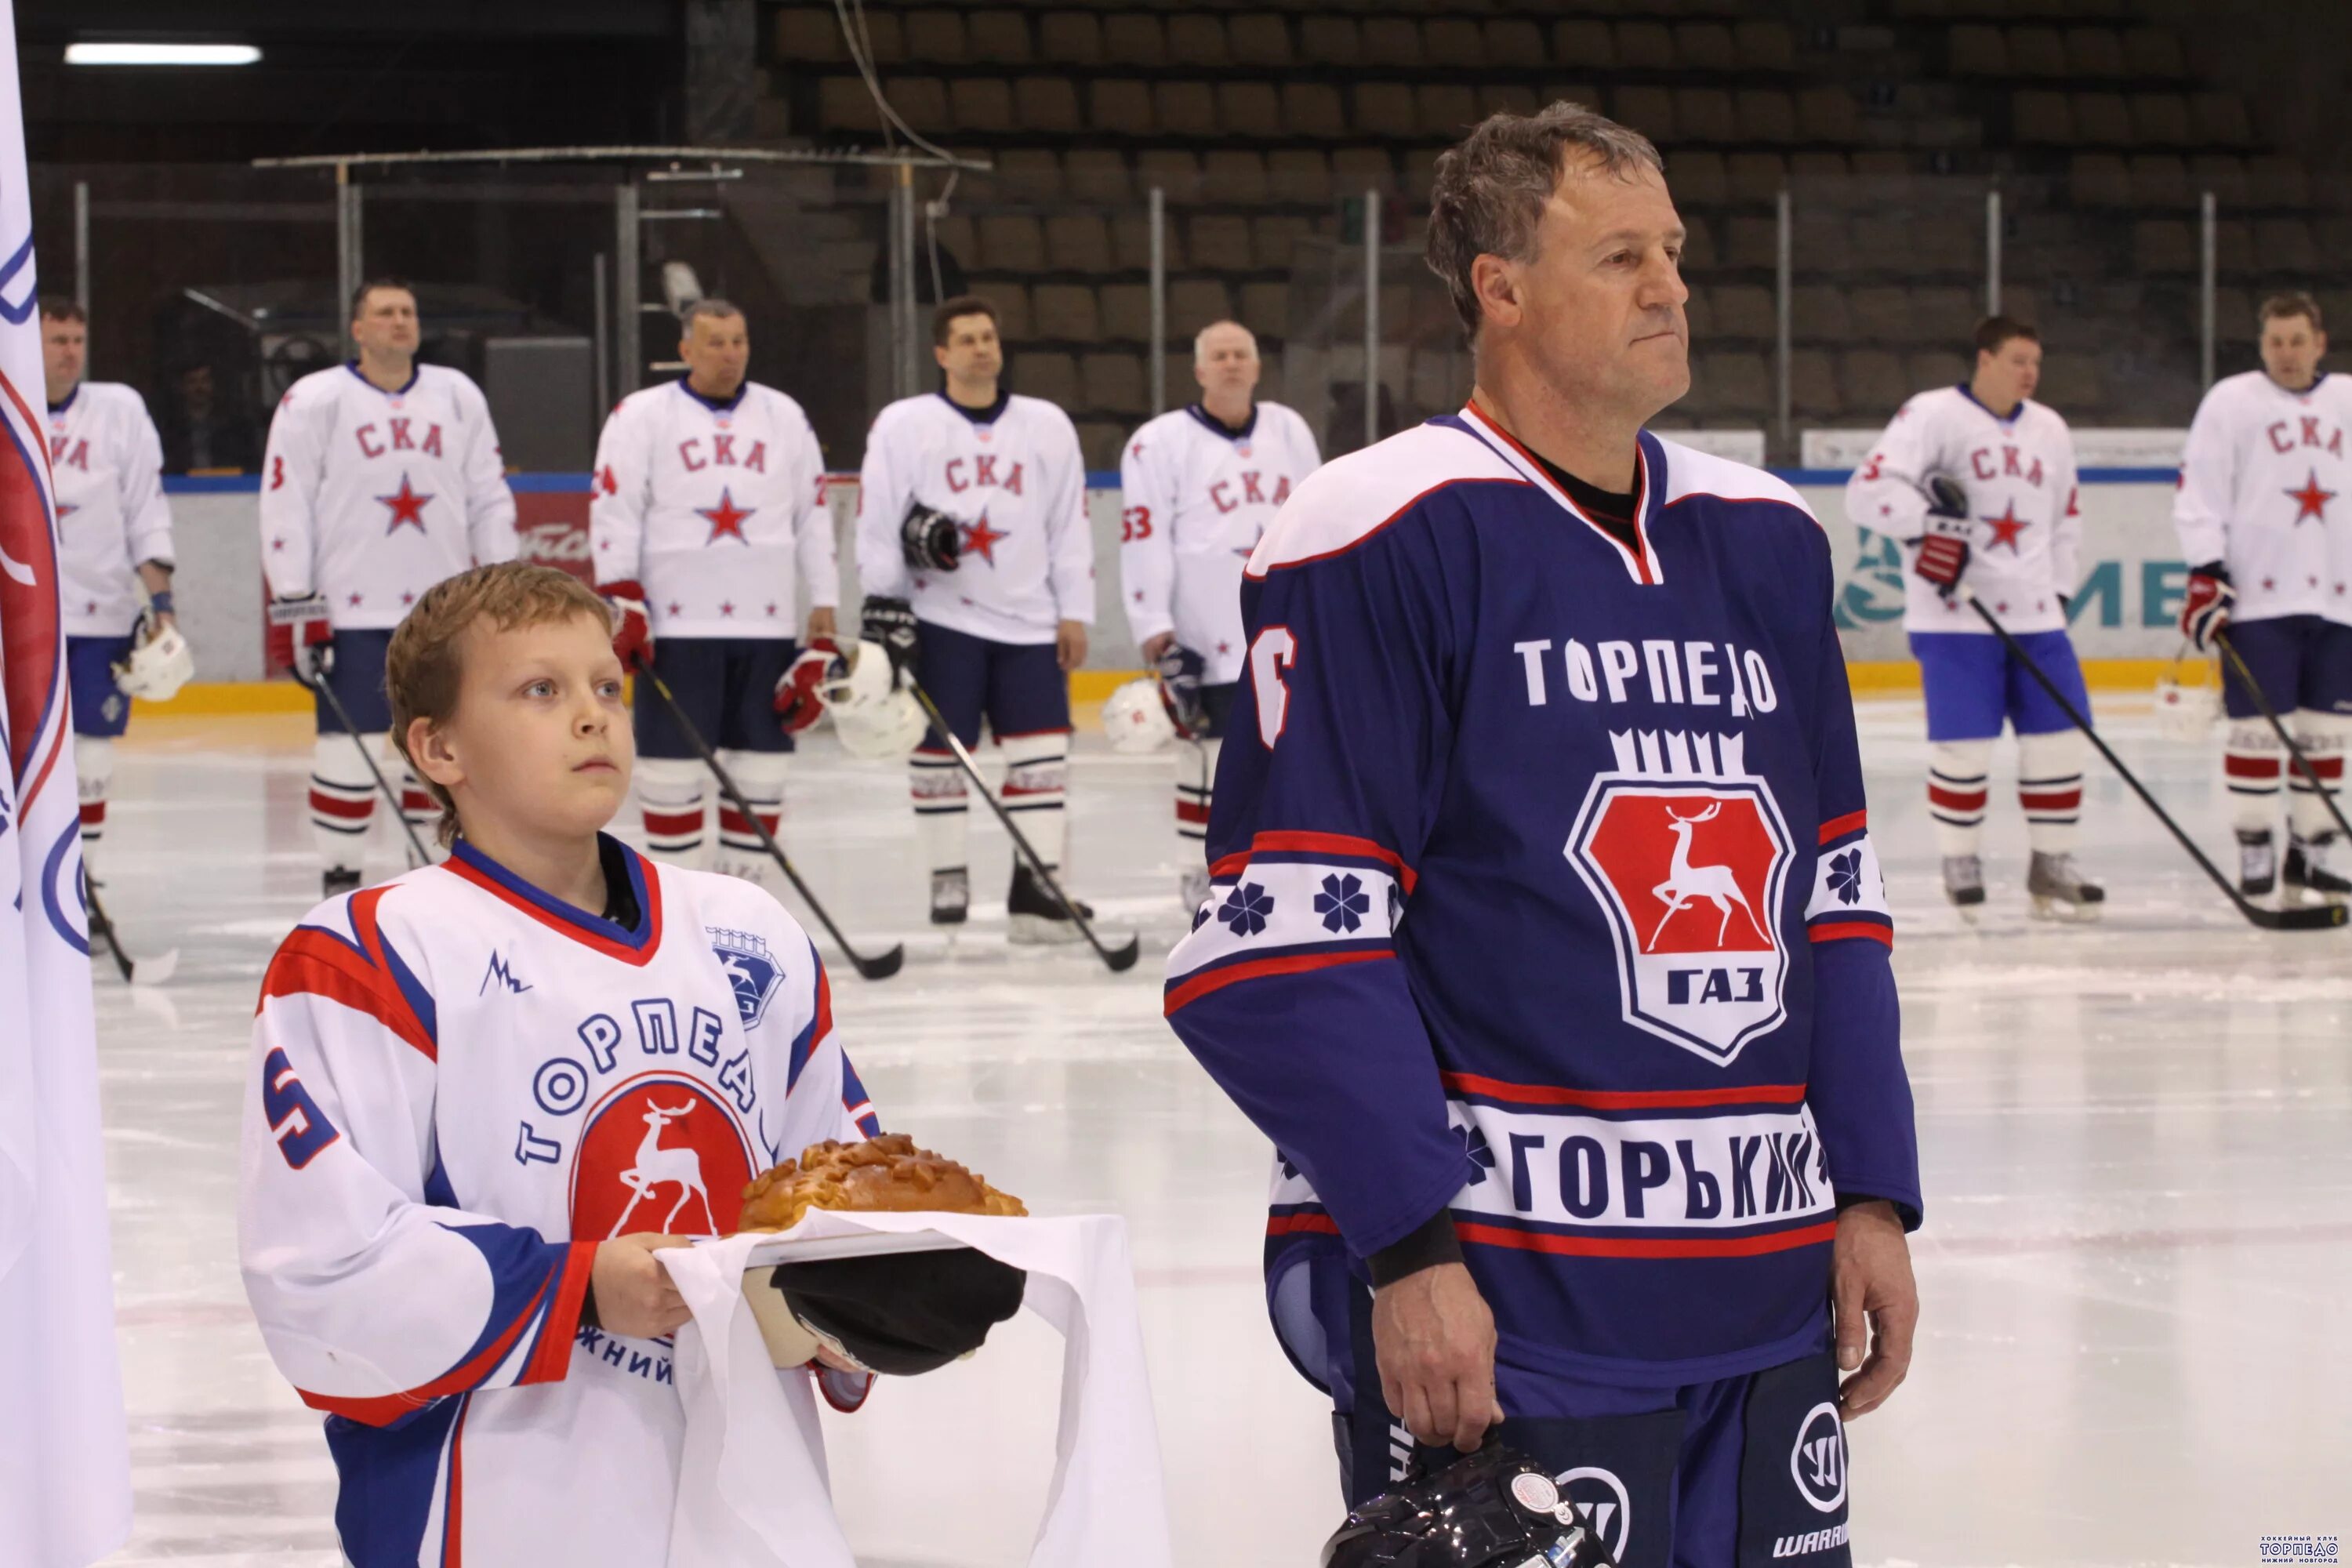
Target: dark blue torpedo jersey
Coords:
[[1543, 893]]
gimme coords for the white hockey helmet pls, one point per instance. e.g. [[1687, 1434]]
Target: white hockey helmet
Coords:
[[874, 718], [2186, 712], [1136, 718], [161, 662]]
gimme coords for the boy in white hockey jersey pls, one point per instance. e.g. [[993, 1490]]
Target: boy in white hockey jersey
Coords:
[[2264, 514], [978, 566], [115, 555], [1199, 487], [382, 477], [484, 1094], [705, 526], [1978, 483]]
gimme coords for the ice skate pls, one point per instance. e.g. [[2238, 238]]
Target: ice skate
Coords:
[[2307, 874], [338, 881], [1964, 884], [2059, 890], [950, 896], [1035, 915], [2257, 864]]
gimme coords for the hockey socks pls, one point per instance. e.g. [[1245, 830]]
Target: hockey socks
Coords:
[[2321, 737], [761, 776], [2049, 788], [94, 768], [670, 799], [2252, 764], [1037, 781], [1956, 774], [343, 800]]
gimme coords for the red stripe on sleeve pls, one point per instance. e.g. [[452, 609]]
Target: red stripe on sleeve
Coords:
[[1839, 826], [1200, 985], [1297, 843], [1838, 931], [1301, 1225], [550, 1359], [1627, 1098], [383, 1409], [1647, 1245]]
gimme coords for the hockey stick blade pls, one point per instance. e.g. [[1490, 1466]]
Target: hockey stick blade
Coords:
[[2278, 726], [152, 971], [2322, 917], [876, 966], [1119, 959]]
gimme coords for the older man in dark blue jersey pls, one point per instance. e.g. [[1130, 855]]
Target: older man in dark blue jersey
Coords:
[[1546, 938]]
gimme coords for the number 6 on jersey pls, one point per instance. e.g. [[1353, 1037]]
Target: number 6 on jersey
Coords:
[[1274, 651]]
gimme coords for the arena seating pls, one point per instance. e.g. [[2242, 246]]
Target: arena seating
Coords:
[[1260, 121]]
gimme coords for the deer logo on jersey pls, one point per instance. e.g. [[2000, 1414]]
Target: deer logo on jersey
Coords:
[[1689, 856], [661, 1154]]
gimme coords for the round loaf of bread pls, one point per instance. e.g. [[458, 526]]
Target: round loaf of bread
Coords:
[[884, 1174]]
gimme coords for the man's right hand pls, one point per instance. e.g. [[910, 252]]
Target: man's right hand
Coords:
[[1156, 646], [632, 627], [2205, 608], [1433, 1339], [313, 636], [634, 1295]]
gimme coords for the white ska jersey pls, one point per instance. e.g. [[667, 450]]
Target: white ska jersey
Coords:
[[1196, 497], [713, 509], [2025, 528], [2267, 488], [459, 1086], [1016, 486], [370, 497], [107, 465]]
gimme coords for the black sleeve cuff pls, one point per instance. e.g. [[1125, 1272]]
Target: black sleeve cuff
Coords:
[[1903, 1211], [1427, 1246], [588, 1319]]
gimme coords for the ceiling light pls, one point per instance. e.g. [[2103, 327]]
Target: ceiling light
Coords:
[[162, 54]]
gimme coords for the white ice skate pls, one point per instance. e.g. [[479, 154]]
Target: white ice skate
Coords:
[[2060, 891], [2308, 875], [2257, 864], [1964, 885]]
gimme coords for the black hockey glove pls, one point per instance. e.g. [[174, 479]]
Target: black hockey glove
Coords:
[[891, 623], [929, 539]]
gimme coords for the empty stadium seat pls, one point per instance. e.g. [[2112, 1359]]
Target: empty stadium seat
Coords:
[[1047, 103], [1584, 46], [1066, 38], [1220, 242], [1195, 302], [1329, 42], [1011, 242], [1698, 316], [2071, 381], [1703, 114], [1099, 441], [1643, 46], [1394, 41], [1099, 175], [1755, 178], [1514, 44], [1194, 39], [2163, 245], [1127, 312], [1049, 375], [843, 104], [1383, 109], [2040, 117], [1813, 384], [1029, 173], [1249, 109], [1011, 301], [2152, 52], [1313, 108], [1234, 176], [1134, 37], [1507, 97], [1871, 384], [1751, 242], [2285, 245], [805, 34], [2221, 117], [1823, 245], [2096, 51], [1744, 311], [1881, 313], [1186, 108], [1695, 175], [1699, 255], [2224, 175], [1120, 106], [1583, 92], [2160, 119], [2036, 51], [1112, 382], [2099, 180], [1445, 109], [1001, 38], [1260, 40], [1275, 236], [1818, 313], [1763, 46], [1938, 367], [1706, 46], [1265, 308], [1130, 241], [1827, 114], [2102, 120], [1766, 114], [1648, 110], [1299, 174], [1076, 242], [2159, 179], [936, 38], [1453, 42], [1176, 173], [1731, 385], [1355, 170], [1977, 51], [1067, 312], [981, 103], [1419, 174], [2277, 181], [957, 235]]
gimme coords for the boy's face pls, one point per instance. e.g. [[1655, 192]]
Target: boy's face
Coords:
[[539, 744]]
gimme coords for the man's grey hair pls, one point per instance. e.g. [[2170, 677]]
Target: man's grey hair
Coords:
[[1491, 188], [1201, 337], [718, 309]]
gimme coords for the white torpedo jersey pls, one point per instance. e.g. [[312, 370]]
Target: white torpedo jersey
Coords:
[[2025, 528], [1013, 479], [712, 508], [107, 465], [459, 1086], [2267, 488], [1196, 497], [371, 497]]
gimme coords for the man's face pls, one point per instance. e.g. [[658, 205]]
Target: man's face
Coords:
[[197, 390], [2292, 349], [1227, 365], [541, 736], [972, 352], [386, 321], [2011, 372], [1599, 305], [717, 352], [65, 351]]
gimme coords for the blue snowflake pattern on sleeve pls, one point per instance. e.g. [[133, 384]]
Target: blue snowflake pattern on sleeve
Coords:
[[1246, 910], [1342, 904], [1475, 1150], [1845, 876]]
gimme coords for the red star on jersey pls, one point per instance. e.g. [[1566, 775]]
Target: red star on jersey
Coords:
[[2310, 500], [407, 505], [2006, 527], [981, 540], [726, 518]]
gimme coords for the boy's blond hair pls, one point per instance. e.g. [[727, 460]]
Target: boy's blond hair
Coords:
[[422, 671]]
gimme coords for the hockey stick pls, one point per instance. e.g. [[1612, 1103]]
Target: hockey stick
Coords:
[[1119, 959], [2309, 916], [881, 966], [283, 615], [135, 972], [2262, 704]]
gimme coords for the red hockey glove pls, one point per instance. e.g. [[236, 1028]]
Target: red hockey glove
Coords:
[[632, 630], [313, 636], [1943, 554], [797, 706], [2206, 609]]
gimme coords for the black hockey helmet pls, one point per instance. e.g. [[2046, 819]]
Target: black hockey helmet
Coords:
[[1492, 1508]]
